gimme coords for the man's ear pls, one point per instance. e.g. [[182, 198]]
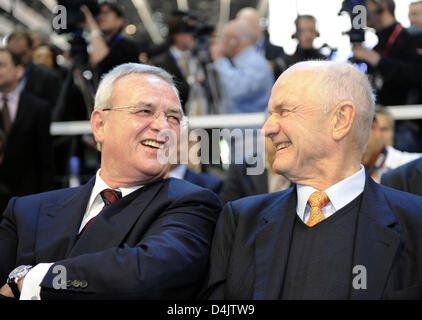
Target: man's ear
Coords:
[[98, 124], [343, 118]]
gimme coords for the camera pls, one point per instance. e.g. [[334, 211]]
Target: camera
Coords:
[[74, 16], [356, 35]]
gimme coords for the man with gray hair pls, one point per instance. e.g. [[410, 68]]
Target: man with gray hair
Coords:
[[337, 234], [128, 233], [246, 76]]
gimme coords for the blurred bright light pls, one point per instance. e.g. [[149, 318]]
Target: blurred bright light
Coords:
[[130, 29], [282, 14]]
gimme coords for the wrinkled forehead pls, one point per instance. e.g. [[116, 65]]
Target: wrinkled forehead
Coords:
[[299, 86], [147, 88]]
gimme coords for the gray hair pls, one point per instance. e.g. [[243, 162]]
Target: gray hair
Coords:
[[105, 88]]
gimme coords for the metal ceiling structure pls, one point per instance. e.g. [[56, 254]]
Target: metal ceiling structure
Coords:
[[149, 16]]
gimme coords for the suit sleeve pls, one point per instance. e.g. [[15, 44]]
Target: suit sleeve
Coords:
[[8, 243], [233, 187], [45, 149], [169, 262], [214, 288]]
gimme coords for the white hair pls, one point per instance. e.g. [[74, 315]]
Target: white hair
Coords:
[[339, 82], [344, 82]]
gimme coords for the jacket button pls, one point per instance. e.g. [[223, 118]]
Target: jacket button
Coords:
[[75, 283], [83, 283]]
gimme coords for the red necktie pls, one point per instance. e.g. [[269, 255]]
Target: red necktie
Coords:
[[109, 196]]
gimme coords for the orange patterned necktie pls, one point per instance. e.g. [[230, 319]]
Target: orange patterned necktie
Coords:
[[317, 201]]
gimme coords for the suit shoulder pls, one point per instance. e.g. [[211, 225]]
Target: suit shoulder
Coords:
[[257, 204], [403, 203], [49, 196], [35, 102], [180, 188]]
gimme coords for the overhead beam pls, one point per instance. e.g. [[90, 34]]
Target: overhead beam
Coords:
[[144, 12]]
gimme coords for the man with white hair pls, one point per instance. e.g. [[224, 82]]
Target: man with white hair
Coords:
[[337, 234], [246, 76], [128, 233]]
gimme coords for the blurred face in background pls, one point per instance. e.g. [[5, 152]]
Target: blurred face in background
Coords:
[[10, 74], [108, 20], [43, 56], [20, 46], [306, 33], [386, 127], [415, 14]]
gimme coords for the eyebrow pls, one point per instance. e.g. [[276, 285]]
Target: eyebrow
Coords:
[[151, 106]]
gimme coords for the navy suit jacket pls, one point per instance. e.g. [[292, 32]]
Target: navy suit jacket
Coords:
[[204, 180], [151, 244], [407, 177], [252, 239]]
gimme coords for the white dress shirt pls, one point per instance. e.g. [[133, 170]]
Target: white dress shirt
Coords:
[[340, 194], [12, 103], [179, 172], [31, 286]]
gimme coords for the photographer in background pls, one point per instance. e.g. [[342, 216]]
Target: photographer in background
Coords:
[[306, 33], [180, 60], [108, 47], [395, 66]]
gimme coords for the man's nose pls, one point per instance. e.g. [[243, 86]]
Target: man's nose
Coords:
[[270, 127]]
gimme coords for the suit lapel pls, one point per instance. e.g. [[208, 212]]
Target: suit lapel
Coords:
[[376, 242], [110, 227], [272, 245], [59, 223]]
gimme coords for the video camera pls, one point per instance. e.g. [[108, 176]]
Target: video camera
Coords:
[[74, 16], [356, 35], [74, 27]]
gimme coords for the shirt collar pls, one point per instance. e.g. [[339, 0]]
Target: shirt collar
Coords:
[[177, 53], [11, 96], [100, 185], [179, 172], [353, 185]]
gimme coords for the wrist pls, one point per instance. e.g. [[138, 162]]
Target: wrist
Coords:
[[96, 33]]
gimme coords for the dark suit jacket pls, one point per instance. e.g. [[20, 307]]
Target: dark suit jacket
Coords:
[[407, 177], [252, 240], [28, 164], [151, 244], [204, 180], [168, 63], [43, 83], [238, 184]]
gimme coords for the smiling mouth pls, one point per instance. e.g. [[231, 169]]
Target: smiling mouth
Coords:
[[153, 144], [283, 145]]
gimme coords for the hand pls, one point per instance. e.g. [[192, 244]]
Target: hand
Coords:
[[6, 291], [216, 50], [364, 54], [90, 22]]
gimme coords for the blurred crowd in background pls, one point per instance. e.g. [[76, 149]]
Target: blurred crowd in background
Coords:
[[231, 72]]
